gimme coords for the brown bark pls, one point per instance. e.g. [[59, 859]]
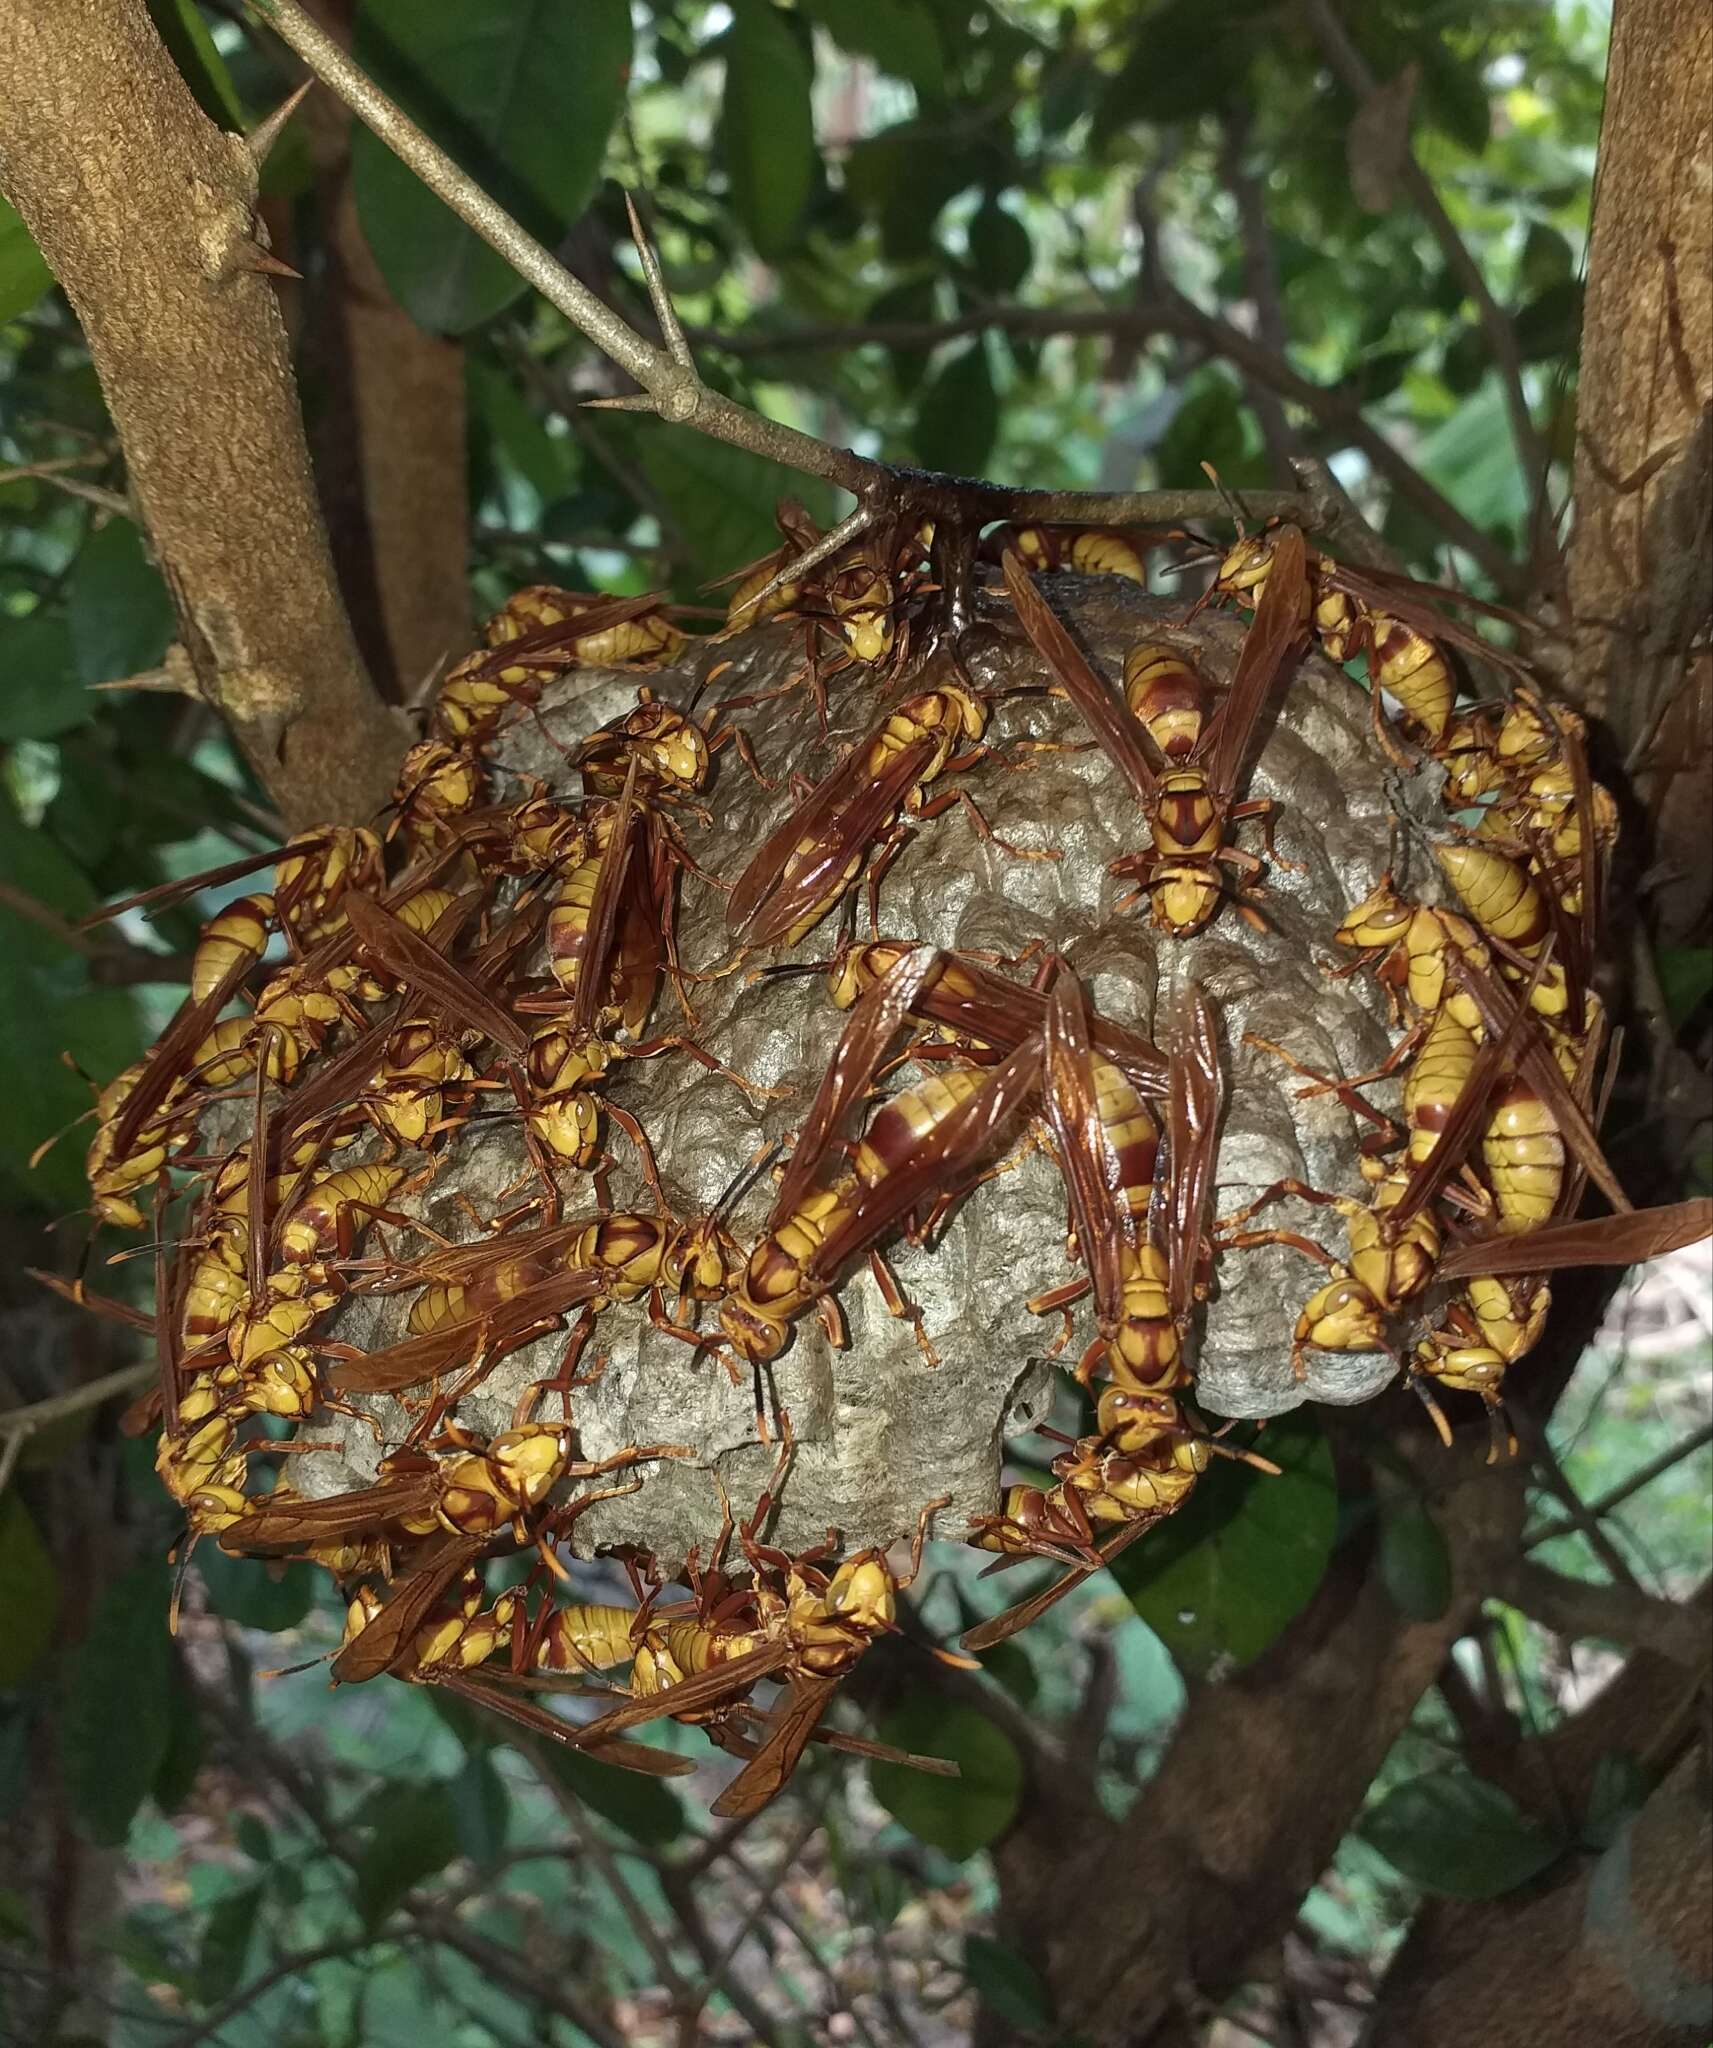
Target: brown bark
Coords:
[[390, 455], [388, 438], [1641, 573], [1615, 1948], [1248, 1806], [145, 211]]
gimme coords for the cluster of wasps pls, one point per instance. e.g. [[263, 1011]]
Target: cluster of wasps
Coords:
[[474, 949]]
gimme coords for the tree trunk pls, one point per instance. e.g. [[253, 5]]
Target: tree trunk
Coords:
[[145, 211]]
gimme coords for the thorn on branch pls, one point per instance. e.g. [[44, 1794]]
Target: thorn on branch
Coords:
[[267, 131]]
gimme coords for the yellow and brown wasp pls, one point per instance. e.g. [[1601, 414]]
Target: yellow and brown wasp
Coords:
[[1191, 804]]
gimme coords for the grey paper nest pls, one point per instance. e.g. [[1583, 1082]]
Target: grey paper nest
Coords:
[[879, 1432]]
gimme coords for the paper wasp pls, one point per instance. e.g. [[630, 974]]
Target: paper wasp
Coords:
[[1108, 1143], [1140, 1469], [1380, 616], [806, 864], [982, 1014], [1190, 808], [541, 633], [929, 1139], [811, 1628], [1078, 550]]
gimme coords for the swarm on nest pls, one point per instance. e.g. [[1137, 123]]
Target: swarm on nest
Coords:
[[460, 1110]]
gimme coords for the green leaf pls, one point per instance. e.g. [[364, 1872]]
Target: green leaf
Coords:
[[524, 94], [516, 430], [226, 1944], [1220, 1580], [1551, 323], [1208, 427], [247, 1591], [1415, 1565], [29, 1593], [900, 35], [1456, 1836], [180, 25], [957, 415], [116, 1696], [905, 175], [1000, 248], [176, 1778], [415, 1837], [915, 300], [720, 498], [481, 1807], [1008, 1664], [767, 127], [121, 615], [39, 695], [1685, 979], [1187, 58], [1619, 1792], [1008, 1985], [955, 1815], [24, 272], [647, 1810]]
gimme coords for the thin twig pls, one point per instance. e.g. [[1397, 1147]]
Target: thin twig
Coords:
[[1261, 278], [670, 384], [26, 1421], [290, 1965], [1550, 1470], [1680, 1630], [590, 1841], [1349, 63], [1645, 1475], [1333, 407]]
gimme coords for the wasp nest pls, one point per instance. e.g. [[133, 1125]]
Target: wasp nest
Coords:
[[506, 1065]]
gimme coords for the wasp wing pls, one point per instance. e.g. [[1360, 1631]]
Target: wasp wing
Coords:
[[958, 1144], [1015, 1619], [1193, 1108], [766, 1774], [386, 1641], [402, 952], [1592, 1241], [862, 1046], [628, 1756], [554, 647], [1119, 735], [807, 856], [1277, 632], [1071, 1102], [708, 1688]]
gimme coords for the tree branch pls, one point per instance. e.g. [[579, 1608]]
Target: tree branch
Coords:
[[1337, 411], [1641, 553], [1644, 1475], [145, 212], [1348, 62], [1261, 279], [1219, 1876], [1682, 1631], [388, 440], [670, 384]]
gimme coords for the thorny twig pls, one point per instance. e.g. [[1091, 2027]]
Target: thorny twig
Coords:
[[671, 386]]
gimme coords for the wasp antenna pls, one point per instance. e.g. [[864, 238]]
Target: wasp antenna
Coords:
[[1253, 1458], [48, 1144], [1436, 1414], [1233, 504]]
